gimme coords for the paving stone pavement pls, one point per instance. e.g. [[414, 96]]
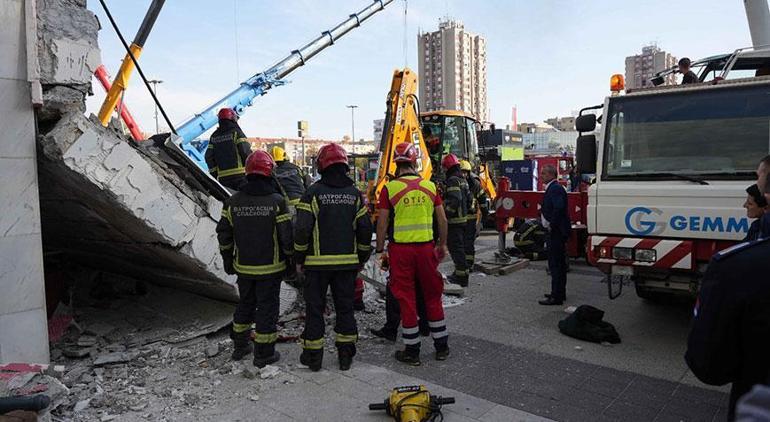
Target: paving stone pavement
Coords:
[[554, 387]]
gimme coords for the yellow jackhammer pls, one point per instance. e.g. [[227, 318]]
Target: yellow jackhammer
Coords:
[[413, 404]]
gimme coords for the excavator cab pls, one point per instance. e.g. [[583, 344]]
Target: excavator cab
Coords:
[[449, 132]]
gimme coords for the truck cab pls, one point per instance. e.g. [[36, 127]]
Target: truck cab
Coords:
[[672, 164]]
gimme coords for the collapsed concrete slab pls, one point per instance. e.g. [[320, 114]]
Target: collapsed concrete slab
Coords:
[[113, 206]]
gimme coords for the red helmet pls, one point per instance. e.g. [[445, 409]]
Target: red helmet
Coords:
[[227, 114], [331, 154], [450, 161], [259, 162], [405, 153]]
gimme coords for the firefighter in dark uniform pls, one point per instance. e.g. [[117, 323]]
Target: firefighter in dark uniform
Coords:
[[332, 241], [227, 151], [475, 197], [456, 194], [729, 340], [291, 177], [255, 239]]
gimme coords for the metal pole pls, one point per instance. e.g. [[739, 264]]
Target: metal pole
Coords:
[[303, 151], [353, 121], [758, 16], [155, 83]]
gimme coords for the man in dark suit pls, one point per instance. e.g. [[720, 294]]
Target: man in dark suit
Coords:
[[555, 218]]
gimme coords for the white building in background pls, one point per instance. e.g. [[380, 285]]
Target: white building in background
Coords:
[[452, 65], [641, 67], [379, 128]]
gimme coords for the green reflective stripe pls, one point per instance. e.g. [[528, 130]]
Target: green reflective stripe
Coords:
[[210, 145], [304, 207], [457, 220], [213, 169], [242, 140], [282, 218], [239, 328], [411, 227], [470, 257], [313, 344], [294, 202], [362, 212], [259, 269], [363, 247], [470, 217], [225, 247], [332, 259], [460, 273], [316, 234], [265, 338], [453, 189], [300, 248], [276, 250], [232, 172], [346, 338], [226, 214]]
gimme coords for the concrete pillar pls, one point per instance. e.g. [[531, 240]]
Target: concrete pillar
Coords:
[[23, 322]]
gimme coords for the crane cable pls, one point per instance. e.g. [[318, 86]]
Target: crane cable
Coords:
[[406, 43]]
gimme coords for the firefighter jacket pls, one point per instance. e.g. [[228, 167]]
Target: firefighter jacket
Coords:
[[291, 179], [476, 196], [227, 151], [412, 201], [255, 230], [333, 229], [456, 198]]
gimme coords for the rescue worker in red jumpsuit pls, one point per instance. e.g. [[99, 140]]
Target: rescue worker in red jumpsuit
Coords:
[[408, 206], [456, 201], [255, 240], [227, 151], [332, 241]]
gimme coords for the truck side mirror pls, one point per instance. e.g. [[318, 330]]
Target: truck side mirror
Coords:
[[585, 123], [586, 153]]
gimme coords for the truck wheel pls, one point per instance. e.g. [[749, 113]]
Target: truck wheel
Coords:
[[647, 294]]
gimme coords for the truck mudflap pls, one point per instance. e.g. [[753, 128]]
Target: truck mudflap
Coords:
[[605, 251]]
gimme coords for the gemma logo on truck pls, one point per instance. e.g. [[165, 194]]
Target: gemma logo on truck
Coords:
[[643, 221]]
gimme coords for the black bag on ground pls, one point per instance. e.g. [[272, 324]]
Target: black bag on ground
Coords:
[[586, 324]]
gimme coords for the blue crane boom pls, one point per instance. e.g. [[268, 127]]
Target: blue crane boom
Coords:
[[260, 83]]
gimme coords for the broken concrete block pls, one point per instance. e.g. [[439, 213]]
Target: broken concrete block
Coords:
[[269, 371], [75, 352], [115, 357]]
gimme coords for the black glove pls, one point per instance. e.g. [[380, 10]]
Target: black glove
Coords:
[[228, 264]]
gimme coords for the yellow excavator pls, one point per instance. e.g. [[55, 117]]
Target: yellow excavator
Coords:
[[435, 134]]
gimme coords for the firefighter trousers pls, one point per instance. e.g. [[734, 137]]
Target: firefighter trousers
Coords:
[[393, 311], [342, 284], [469, 242], [258, 304], [410, 262], [456, 245]]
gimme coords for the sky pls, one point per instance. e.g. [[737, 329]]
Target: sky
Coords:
[[547, 57]]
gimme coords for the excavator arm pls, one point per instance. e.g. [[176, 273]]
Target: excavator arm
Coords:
[[402, 124]]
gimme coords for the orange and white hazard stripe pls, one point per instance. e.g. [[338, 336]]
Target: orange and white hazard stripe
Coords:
[[670, 254]]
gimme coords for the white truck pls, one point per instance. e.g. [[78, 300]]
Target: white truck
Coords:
[[672, 164]]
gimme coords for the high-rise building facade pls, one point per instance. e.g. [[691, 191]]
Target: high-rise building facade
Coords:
[[453, 70], [641, 67]]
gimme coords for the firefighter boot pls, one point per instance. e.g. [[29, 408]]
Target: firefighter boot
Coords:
[[442, 348], [410, 355], [345, 353], [313, 359], [265, 354], [241, 344]]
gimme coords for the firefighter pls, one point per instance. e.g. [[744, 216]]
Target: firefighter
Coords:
[[332, 241], [227, 151], [474, 201], [408, 207], [456, 196], [260, 265], [291, 177]]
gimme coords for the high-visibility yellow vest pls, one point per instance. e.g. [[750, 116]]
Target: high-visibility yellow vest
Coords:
[[412, 200]]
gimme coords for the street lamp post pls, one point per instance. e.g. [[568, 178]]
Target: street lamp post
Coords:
[[155, 83], [353, 121]]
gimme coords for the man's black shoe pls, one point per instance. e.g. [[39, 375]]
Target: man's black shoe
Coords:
[[550, 301], [381, 333], [407, 358], [442, 354]]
